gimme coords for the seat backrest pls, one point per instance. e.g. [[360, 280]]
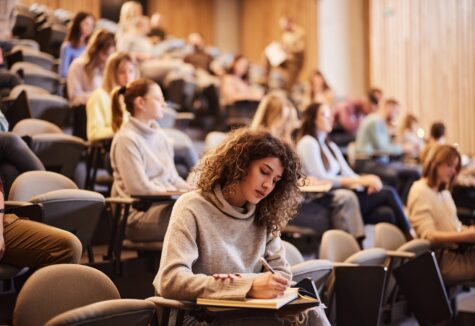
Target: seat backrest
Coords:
[[74, 210], [55, 289], [213, 139], [108, 313], [367, 257], [33, 183], [292, 254], [317, 270], [33, 127], [388, 236], [53, 108], [59, 152], [29, 89], [416, 246], [337, 246]]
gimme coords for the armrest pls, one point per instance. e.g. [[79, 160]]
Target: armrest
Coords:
[[163, 196], [28, 210], [120, 200], [400, 254], [170, 303], [339, 264]]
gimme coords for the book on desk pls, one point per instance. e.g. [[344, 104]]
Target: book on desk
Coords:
[[276, 303]]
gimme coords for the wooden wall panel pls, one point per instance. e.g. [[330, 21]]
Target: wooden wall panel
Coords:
[[92, 6], [423, 54], [182, 17], [260, 26]]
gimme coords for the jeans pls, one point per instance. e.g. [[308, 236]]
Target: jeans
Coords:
[[383, 206]]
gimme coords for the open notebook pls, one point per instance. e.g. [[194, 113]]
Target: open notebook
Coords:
[[289, 295]]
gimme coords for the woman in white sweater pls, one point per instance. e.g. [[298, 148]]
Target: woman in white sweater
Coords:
[[142, 157], [247, 191], [322, 159], [433, 214]]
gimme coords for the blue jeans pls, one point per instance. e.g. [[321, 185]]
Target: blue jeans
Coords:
[[383, 206]]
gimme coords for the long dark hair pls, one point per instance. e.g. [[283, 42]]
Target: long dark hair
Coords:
[[74, 32], [309, 127], [235, 61]]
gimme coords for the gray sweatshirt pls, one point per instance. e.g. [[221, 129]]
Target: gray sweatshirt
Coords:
[[142, 161], [207, 235]]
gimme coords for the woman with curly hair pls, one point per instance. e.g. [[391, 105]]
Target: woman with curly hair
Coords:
[[247, 191]]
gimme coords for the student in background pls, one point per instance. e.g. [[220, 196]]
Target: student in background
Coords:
[[317, 90], [235, 84], [75, 41], [433, 214], [322, 159], [85, 73], [373, 138], [119, 71], [277, 114], [247, 191], [407, 134], [128, 12], [142, 157], [15, 158], [438, 133]]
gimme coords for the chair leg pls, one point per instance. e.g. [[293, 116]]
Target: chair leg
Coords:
[[90, 254], [165, 316]]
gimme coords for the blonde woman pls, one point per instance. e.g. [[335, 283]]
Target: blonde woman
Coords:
[[276, 114], [120, 70]]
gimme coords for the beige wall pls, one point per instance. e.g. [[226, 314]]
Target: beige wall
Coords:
[[226, 25], [423, 54], [343, 45], [182, 17]]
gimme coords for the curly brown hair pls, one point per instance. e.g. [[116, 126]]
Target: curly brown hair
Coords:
[[228, 164]]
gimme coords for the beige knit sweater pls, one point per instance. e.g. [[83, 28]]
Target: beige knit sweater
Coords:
[[207, 235]]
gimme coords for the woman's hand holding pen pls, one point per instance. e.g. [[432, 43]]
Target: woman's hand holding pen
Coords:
[[267, 286]]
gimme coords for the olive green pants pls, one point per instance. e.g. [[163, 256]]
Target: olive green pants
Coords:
[[35, 245]]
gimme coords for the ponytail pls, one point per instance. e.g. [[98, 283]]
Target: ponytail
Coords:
[[125, 96], [117, 110]]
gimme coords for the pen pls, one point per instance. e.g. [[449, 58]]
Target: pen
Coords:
[[266, 265]]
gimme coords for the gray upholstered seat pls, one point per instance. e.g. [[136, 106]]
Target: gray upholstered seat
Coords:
[[340, 246], [44, 105], [34, 74], [316, 269], [28, 54], [56, 289], [389, 237], [65, 206], [57, 151], [119, 312]]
